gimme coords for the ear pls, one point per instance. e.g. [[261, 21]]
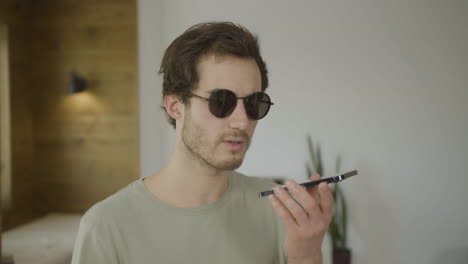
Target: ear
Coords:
[[174, 106]]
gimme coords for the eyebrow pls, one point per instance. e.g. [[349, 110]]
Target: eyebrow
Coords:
[[215, 89]]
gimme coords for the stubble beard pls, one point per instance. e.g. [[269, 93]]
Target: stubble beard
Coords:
[[200, 148]]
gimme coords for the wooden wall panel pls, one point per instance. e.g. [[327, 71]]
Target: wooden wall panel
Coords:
[[71, 151], [5, 153], [27, 199], [5, 142], [86, 144]]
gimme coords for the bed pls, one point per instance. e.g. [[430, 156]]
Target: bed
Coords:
[[49, 239]]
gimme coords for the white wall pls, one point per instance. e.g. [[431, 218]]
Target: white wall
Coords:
[[384, 84], [153, 147]]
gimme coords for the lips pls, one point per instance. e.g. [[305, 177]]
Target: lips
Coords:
[[235, 140], [234, 144]]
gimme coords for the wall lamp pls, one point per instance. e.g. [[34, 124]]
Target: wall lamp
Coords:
[[77, 83]]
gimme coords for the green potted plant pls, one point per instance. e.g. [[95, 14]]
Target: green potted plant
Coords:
[[337, 229]]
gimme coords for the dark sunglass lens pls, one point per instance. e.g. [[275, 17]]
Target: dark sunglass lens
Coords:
[[222, 103], [257, 105]]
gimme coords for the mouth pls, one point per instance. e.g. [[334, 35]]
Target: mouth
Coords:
[[234, 144]]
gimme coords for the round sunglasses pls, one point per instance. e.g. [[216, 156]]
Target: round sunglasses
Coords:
[[222, 103]]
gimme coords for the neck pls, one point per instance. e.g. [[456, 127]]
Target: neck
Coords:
[[187, 182]]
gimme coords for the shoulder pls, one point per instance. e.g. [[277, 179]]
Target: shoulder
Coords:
[[100, 238], [111, 208]]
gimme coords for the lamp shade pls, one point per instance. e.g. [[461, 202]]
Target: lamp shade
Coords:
[[77, 83]]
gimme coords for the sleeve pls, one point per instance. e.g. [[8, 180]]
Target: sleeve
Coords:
[[93, 243]]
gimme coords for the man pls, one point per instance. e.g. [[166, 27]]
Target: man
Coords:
[[196, 209]]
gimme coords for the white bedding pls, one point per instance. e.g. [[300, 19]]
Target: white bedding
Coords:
[[47, 240]]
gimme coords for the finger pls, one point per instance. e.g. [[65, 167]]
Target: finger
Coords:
[[292, 206], [308, 202], [326, 200], [314, 189], [282, 212]]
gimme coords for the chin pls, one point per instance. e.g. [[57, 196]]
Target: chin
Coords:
[[228, 164]]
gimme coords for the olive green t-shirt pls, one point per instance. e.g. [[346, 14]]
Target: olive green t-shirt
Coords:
[[132, 226]]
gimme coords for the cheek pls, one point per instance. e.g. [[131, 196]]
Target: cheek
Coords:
[[210, 124], [203, 111], [252, 127]]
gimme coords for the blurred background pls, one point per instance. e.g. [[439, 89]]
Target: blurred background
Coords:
[[382, 84]]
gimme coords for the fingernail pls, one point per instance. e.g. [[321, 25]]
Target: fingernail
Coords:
[[291, 185], [278, 189]]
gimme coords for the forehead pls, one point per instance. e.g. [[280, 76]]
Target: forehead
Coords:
[[240, 75]]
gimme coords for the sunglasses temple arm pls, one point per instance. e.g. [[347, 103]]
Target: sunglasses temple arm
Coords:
[[201, 97]]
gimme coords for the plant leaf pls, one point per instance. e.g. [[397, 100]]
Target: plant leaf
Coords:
[[319, 161], [344, 219], [310, 146], [309, 170], [337, 228], [338, 164]]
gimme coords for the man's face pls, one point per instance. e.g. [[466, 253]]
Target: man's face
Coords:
[[209, 138]]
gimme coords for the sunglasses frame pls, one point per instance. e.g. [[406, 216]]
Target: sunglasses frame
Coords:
[[237, 98]]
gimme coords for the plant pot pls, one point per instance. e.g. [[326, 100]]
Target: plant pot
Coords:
[[341, 256]]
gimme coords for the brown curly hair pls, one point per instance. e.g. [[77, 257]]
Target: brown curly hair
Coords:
[[179, 63]]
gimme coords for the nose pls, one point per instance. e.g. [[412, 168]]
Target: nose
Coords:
[[239, 118]]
